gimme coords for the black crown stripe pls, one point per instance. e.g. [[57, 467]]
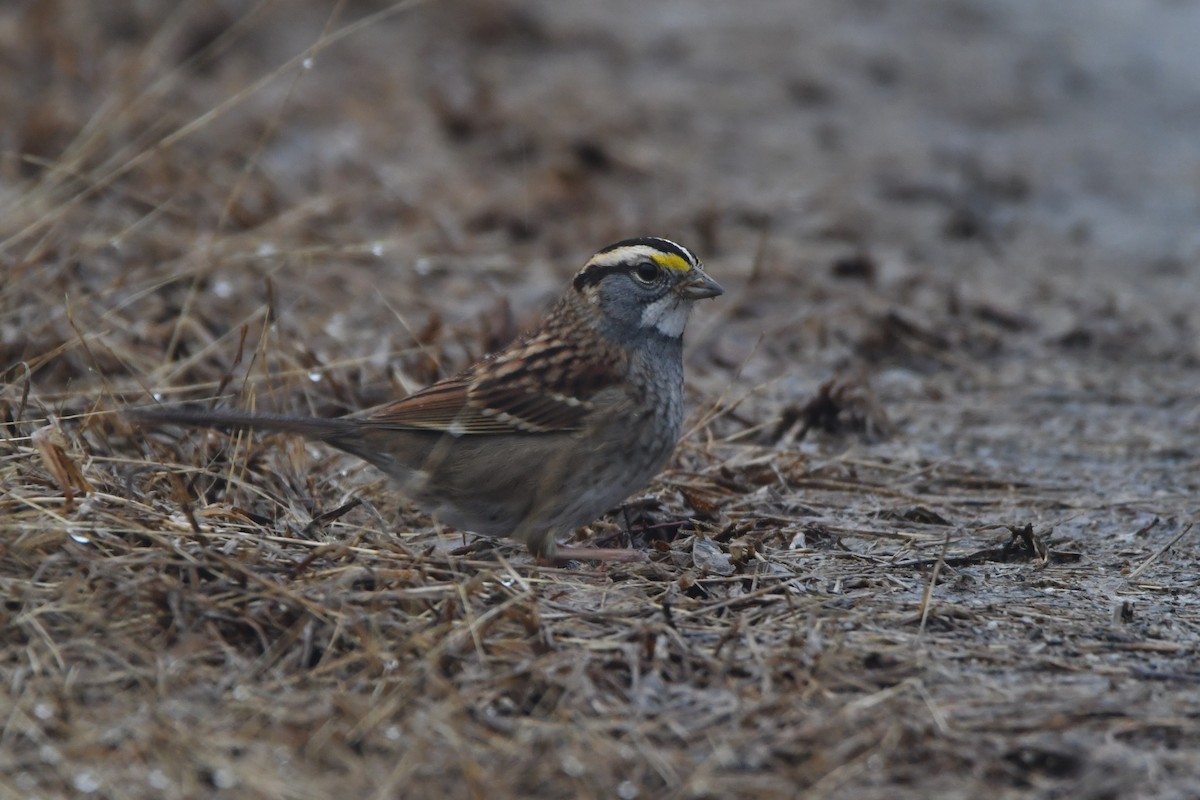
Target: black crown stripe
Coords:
[[665, 245]]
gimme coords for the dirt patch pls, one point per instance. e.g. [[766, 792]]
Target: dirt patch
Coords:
[[930, 533]]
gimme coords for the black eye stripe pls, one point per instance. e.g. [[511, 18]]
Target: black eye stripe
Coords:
[[593, 275]]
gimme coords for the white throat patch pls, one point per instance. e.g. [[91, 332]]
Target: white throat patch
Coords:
[[668, 314]]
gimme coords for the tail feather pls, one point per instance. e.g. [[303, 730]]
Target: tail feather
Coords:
[[310, 427]]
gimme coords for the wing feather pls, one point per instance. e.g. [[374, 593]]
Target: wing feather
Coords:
[[538, 385]]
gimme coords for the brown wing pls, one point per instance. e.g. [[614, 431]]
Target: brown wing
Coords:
[[539, 385], [444, 406]]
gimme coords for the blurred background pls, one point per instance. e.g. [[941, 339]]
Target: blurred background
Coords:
[[441, 156], [960, 244]]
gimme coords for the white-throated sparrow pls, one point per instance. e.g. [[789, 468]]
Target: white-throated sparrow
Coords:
[[547, 434]]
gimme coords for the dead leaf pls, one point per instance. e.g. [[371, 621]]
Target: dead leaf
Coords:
[[52, 447]]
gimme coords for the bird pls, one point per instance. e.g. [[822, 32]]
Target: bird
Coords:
[[550, 432]]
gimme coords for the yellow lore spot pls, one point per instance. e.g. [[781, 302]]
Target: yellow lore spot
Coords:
[[671, 261]]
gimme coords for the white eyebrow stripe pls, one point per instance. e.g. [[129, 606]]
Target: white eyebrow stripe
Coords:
[[630, 253]]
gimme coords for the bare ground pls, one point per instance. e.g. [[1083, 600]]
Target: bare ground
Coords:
[[930, 531]]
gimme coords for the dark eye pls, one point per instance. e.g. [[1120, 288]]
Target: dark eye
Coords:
[[646, 273]]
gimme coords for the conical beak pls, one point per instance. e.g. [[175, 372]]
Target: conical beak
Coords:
[[697, 286]]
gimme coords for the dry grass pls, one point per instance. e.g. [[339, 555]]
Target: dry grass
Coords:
[[832, 604]]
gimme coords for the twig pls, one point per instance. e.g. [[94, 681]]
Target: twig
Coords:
[[1146, 564], [933, 576]]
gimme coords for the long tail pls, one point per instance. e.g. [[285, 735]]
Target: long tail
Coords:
[[329, 430]]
